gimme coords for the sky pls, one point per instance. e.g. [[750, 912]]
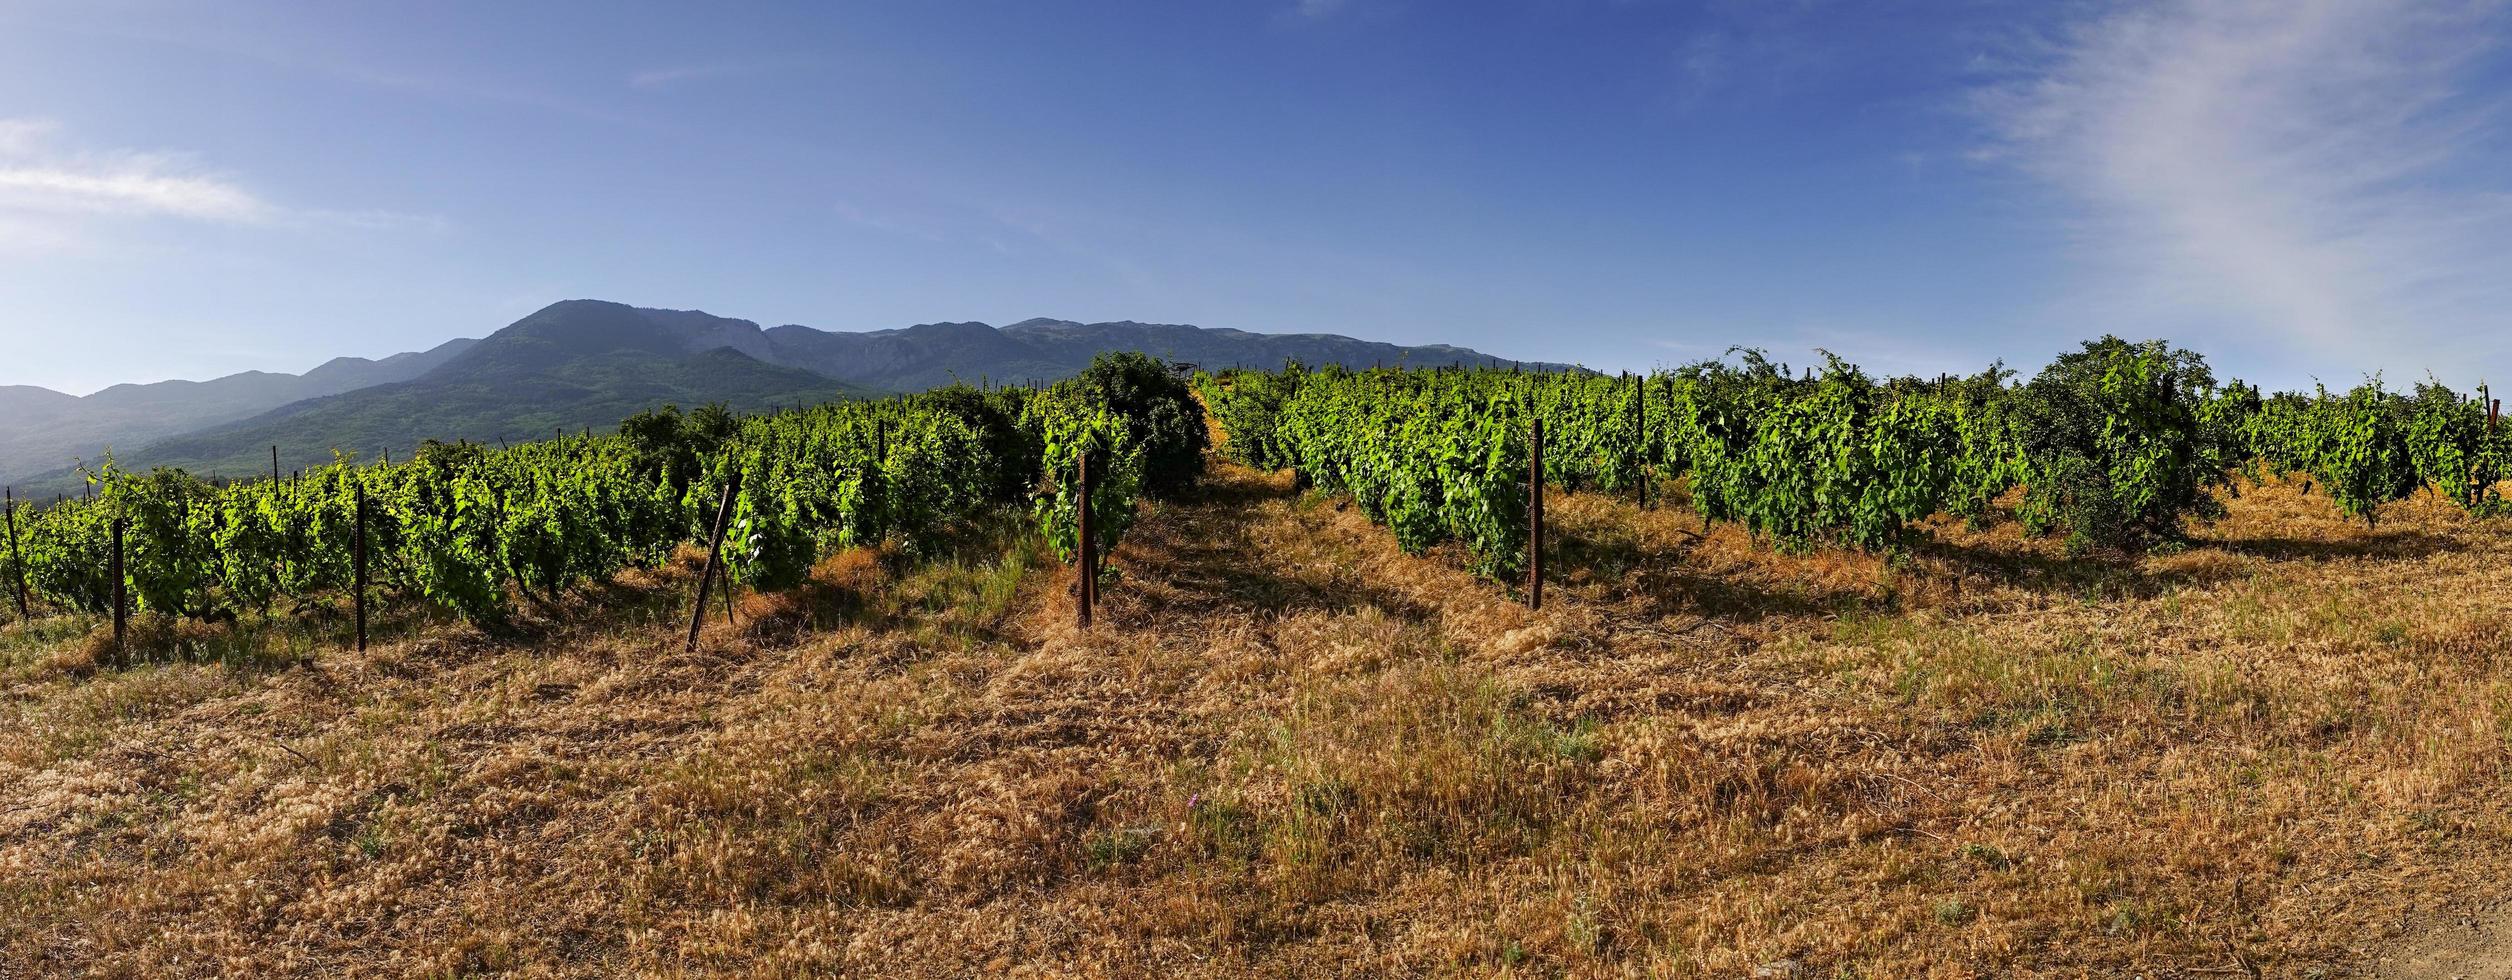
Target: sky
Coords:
[[2302, 190]]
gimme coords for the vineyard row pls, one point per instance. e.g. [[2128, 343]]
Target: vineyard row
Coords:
[[2117, 446], [472, 529]]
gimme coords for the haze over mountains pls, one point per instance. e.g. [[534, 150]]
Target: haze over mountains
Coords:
[[583, 364], [42, 429]]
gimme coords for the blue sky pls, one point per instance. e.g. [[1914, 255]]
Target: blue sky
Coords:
[[2298, 188]]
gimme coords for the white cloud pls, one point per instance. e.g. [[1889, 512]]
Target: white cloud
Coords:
[[2312, 171], [134, 187], [35, 177], [48, 192]]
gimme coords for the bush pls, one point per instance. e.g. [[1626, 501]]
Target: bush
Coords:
[[995, 415], [1162, 419], [669, 446], [2117, 445], [1248, 405]]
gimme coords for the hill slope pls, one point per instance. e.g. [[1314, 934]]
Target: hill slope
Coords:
[[594, 391], [47, 430]]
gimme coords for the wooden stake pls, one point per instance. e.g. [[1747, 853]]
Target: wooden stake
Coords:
[[17, 559], [1535, 520], [715, 542], [1648, 466], [358, 582], [1089, 500], [1084, 566], [121, 598], [274, 465]]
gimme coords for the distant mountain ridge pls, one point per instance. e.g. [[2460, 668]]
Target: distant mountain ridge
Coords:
[[43, 430], [934, 354], [580, 364]]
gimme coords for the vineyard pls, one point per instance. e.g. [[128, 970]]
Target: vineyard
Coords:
[[2116, 669], [471, 530], [2115, 446]]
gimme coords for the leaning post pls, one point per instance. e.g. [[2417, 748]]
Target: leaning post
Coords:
[[715, 543]]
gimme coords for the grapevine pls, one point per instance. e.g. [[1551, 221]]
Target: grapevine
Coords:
[[473, 530]]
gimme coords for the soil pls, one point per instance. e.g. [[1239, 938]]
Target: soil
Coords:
[[2476, 945]]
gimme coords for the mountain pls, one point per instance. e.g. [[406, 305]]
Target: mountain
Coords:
[[934, 354], [583, 364], [47, 430], [572, 366]]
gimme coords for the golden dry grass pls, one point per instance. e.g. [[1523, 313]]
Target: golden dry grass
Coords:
[[1292, 750]]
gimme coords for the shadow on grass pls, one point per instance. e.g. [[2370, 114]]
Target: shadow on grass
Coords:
[[1210, 563], [1620, 555], [2379, 544], [1614, 556]]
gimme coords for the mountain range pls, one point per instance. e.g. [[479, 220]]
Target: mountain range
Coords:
[[42, 429], [582, 364]]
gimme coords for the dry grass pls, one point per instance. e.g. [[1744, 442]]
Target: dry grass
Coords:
[[1292, 750]]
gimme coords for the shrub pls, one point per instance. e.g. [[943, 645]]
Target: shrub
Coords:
[[1162, 419], [2117, 451]]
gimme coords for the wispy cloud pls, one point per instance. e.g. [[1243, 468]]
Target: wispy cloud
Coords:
[[48, 188], [672, 76], [21, 137], [35, 177], [374, 220], [2302, 171], [1077, 233]]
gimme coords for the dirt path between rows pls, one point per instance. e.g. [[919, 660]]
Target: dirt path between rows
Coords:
[[2473, 946]]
